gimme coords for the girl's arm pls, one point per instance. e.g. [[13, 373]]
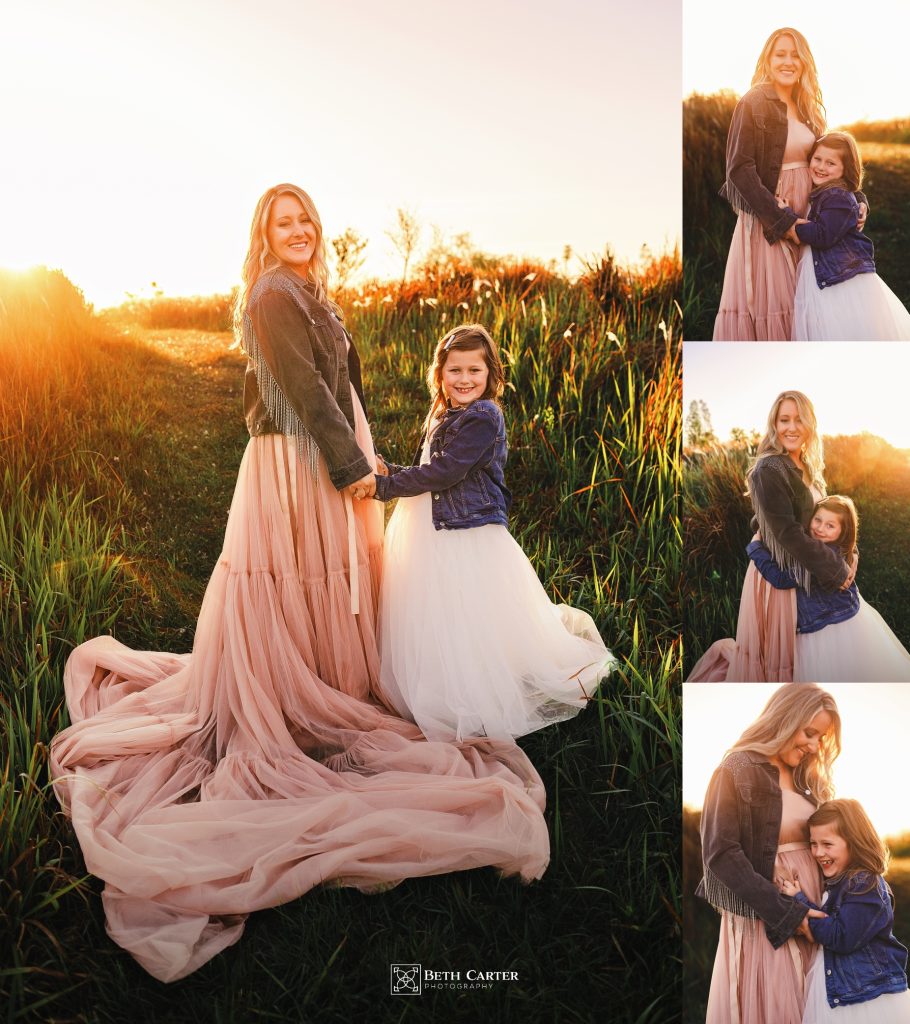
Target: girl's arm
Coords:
[[743, 174], [860, 917], [835, 220], [283, 336], [774, 508], [725, 858], [779, 578], [471, 444]]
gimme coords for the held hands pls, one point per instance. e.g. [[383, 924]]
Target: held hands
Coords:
[[381, 468], [365, 487], [788, 886], [791, 234]]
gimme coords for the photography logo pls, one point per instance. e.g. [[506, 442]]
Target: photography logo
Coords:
[[406, 979]]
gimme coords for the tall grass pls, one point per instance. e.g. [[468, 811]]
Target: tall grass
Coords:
[[119, 455]]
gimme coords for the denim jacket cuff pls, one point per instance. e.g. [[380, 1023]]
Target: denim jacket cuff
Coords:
[[783, 929], [781, 226]]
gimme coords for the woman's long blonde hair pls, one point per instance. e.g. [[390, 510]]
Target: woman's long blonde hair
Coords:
[[812, 455], [807, 95], [789, 708], [260, 259]]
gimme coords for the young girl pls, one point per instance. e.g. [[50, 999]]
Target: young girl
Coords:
[[470, 643], [839, 638], [861, 970], [839, 296]]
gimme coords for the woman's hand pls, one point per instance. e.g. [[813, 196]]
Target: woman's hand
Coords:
[[365, 487], [381, 468], [851, 575], [863, 214], [791, 234], [804, 928]]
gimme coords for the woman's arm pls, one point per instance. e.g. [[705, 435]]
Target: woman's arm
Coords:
[[773, 505], [283, 336], [835, 220], [724, 857], [779, 578], [860, 917], [743, 174], [470, 445]]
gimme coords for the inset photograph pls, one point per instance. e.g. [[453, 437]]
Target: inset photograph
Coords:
[[796, 875], [796, 482], [796, 174]]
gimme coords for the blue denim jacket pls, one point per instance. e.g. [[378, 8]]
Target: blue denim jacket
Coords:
[[465, 471], [863, 959], [839, 249], [740, 831], [815, 609]]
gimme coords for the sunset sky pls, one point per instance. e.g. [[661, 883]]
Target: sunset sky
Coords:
[[859, 49], [138, 136], [875, 719], [854, 386]]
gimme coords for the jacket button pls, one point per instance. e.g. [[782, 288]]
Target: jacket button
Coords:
[[836, 1001], [435, 497], [827, 972]]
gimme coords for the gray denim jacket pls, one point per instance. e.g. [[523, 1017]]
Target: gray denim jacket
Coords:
[[300, 371], [755, 154], [740, 832]]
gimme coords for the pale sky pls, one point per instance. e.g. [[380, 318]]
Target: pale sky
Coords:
[[138, 136], [875, 719], [854, 386], [860, 50]]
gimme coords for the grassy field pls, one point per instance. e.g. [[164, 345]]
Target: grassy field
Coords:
[[708, 221], [716, 518], [121, 438], [701, 922]]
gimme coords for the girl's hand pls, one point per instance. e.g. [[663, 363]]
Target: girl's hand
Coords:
[[381, 468], [788, 886], [804, 928], [365, 487], [863, 214], [851, 575]]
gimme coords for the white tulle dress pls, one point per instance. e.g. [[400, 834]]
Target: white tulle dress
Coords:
[[470, 643], [862, 308], [890, 1008], [861, 650]]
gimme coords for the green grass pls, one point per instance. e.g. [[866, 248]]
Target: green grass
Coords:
[[120, 446], [708, 221]]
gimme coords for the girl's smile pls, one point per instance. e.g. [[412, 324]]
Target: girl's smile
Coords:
[[826, 526], [291, 234], [826, 165], [829, 849], [464, 376]]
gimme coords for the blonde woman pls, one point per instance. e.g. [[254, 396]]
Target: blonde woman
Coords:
[[754, 837], [210, 785], [767, 183], [784, 483]]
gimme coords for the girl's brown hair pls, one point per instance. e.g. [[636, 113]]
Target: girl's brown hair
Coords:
[[845, 510], [867, 851], [845, 146], [466, 338], [806, 94]]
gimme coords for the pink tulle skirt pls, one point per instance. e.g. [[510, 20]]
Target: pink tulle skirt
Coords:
[[760, 279], [205, 786], [764, 648], [752, 982]]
